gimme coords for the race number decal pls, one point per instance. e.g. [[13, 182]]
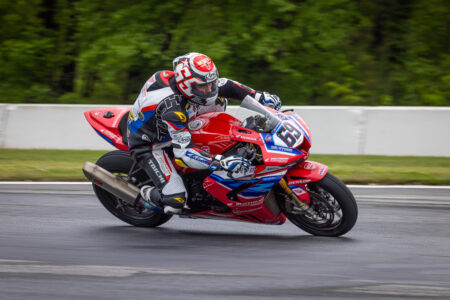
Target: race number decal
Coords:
[[289, 134]]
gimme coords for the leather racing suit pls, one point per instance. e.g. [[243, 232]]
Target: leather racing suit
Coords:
[[158, 120]]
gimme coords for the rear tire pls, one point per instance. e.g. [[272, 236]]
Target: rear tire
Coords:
[[334, 207], [119, 163]]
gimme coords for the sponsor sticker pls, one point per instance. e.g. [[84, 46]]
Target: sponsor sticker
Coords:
[[181, 116], [301, 181], [309, 166], [278, 159]]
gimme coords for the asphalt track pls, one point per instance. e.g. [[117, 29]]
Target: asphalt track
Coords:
[[58, 242]]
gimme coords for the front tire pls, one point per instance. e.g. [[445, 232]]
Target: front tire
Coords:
[[119, 163], [333, 209]]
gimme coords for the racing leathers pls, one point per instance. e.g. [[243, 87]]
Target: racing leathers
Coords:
[[158, 121]]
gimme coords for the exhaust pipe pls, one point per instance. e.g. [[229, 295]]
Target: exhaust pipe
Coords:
[[111, 183]]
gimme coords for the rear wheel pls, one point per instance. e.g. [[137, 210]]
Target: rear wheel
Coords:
[[119, 163], [333, 210]]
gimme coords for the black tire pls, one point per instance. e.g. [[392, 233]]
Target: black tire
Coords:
[[330, 198], [119, 162]]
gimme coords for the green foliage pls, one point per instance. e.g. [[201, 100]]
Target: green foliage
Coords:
[[328, 52]]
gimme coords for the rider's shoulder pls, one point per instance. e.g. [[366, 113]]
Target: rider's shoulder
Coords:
[[163, 77]]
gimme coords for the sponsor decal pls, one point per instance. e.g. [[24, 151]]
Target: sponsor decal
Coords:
[[250, 203], [322, 171], [203, 63], [110, 135], [248, 138], [280, 148], [156, 171], [162, 164], [268, 138], [141, 116], [145, 138], [211, 76], [241, 211], [181, 116], [197, 158], [196, 124], [207, 184], [272, 178], [250, 171], [179, 199], [309, 166], [182, 137], [299, 191], [302, 181], [98, 114], [279, 159], [205, 148]]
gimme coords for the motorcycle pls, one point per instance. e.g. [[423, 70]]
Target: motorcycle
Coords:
[[281, 183]]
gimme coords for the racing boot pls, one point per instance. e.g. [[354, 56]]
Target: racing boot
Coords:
[[150, 199], [153, 200]]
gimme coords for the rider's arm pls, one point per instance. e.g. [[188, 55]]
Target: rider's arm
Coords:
[[187, 155], [184, 150], [237, 91]]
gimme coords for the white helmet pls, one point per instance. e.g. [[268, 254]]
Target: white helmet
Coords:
[[196, 76]]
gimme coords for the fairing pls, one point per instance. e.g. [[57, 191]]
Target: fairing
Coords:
[[106, 122]]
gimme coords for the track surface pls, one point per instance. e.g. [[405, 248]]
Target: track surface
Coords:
[[58, 242]]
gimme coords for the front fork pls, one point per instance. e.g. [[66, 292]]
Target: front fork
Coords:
[[294, 185], [294, 204]]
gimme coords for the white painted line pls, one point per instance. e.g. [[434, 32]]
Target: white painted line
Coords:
[[33, 267]]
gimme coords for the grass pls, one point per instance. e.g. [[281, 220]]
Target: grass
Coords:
[[65, 165]]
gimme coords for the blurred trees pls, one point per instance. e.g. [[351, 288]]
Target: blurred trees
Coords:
[[327, 52]]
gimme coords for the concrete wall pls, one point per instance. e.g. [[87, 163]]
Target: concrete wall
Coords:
[[416, 131]]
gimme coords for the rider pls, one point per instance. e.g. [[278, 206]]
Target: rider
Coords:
[[159, 118]]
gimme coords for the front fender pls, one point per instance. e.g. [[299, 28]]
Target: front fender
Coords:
[[307, 171], [300, 175]]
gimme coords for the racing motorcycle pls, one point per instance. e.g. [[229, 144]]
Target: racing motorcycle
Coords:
[[280, 184]]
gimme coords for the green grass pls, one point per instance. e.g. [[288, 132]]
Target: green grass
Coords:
[[65, 165]]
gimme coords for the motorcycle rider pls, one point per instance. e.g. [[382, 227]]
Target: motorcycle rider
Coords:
[[159, 120]]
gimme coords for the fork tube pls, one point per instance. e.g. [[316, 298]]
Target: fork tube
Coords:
[[292, 195]]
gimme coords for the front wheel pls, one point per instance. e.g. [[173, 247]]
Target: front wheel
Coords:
[[119, 163], [333, 210]]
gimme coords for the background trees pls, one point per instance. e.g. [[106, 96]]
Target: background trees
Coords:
[[333, 52]]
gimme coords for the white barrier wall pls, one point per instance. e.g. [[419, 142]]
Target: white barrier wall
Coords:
[[416, 131]]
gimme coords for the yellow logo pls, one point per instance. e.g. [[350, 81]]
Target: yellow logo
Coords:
[[181, 116], [179, 199]]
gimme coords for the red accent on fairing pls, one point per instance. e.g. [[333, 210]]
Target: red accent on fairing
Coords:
[[304, 173], [108, 127], [308, 170], [250, 210], [215, 133]]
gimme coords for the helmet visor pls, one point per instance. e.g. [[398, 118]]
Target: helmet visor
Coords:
[[205, 90]]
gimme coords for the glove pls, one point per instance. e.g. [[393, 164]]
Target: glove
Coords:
[[272, 101], [233, 163]]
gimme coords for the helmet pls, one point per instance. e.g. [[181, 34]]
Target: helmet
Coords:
[[196, 78]]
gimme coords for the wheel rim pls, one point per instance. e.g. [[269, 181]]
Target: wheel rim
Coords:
[[120, 206], [325, 212]]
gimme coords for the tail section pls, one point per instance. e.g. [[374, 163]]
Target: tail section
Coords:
[[111, 124]]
